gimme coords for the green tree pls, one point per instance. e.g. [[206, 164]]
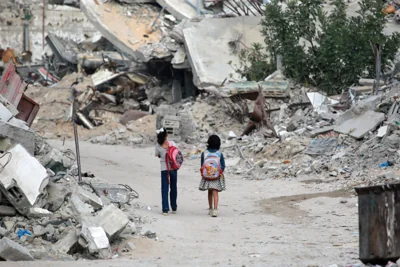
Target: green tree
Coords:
[[330, 51]]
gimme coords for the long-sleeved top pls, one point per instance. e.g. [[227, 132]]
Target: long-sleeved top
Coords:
[[222, 160]]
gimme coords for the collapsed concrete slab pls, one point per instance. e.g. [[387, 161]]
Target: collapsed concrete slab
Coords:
[[209, 46], [23, 179], [360, 125], [18, 135], [11, 251], [130, 34], [112, 220]]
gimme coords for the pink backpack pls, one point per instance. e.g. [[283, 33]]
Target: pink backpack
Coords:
[[174, 157]]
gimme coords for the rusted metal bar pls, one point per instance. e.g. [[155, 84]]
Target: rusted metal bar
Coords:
[[237, 4], [256, 6], [232, 8], [244, 3]]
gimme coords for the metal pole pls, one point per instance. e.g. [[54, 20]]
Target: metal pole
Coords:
[[75, 106], [43, 21], [26, 36], [78, 156], [378, 66]]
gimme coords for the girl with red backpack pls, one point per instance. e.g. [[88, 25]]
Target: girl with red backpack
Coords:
[[212, 169], [171, 159]]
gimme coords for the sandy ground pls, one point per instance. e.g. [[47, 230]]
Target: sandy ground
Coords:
[[260, 223]]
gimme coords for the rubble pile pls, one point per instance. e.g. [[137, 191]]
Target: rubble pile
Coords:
[[344, 144], [47, 210], [45, 213]]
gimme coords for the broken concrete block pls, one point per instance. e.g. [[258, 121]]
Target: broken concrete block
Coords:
[[383, 131], [58, 161], [3, 231], [56, 195], [38, 213], [113, 221], [95, 239], [67, 241], [17, 135], [79, 208], [38, 230], [11, 251], [360, 125], [5, 114], [23, 179], [7, 211], [90, 198], [9, 225]]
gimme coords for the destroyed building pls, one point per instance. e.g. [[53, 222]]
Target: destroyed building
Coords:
[[121, 69]]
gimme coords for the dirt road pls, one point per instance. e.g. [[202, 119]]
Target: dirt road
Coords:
[[260, 223]]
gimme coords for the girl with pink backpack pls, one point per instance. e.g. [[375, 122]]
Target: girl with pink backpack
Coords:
[[171, 160], [212, 173]]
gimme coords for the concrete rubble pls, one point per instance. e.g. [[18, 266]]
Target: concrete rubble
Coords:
[[46, 213]]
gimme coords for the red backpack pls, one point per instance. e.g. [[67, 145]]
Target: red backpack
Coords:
[[174, 157]]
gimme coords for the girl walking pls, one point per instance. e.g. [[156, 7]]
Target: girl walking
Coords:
[[212, 168], [169, 177]]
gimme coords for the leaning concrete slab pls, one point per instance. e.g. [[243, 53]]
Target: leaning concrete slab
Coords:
[[23, 179], [18, 136], [130, 34], [11, 251], [360, 125], [209, 51], [112, 219]]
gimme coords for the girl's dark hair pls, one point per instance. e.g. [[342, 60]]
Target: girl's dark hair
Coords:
[[162, 136], [214, 142]]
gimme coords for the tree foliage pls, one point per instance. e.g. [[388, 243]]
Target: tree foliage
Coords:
[[327, 50]]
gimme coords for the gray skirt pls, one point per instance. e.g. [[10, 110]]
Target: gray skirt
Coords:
[[218, 185]]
